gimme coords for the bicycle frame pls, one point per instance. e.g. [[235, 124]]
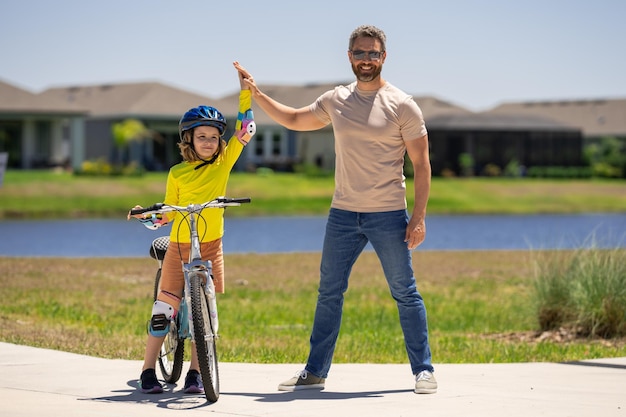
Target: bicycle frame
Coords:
[[197, 266]]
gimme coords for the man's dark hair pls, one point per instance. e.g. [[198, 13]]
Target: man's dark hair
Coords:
[[368, 31]]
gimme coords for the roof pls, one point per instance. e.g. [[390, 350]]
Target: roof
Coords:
[[433, 107], [598, 117], [146, 99], [14, 100], [489, 121]]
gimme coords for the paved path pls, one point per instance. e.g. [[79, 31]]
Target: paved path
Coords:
[[40, 382]]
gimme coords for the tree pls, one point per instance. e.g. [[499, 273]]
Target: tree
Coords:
[[607, 157], [125, 133], [466, 161]]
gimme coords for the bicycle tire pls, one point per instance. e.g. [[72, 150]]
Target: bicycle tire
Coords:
[[172, 354], [204, 338]]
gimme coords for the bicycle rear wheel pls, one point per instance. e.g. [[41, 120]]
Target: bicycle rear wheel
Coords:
[[204, 338], [171, 356]]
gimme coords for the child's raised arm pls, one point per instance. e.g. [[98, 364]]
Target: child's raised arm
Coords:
[[245, 127]]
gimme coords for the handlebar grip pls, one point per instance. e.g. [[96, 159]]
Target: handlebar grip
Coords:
[[240, 200], [153, 207]]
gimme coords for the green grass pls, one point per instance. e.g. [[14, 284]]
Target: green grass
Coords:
[[46, 194], [481, 305], [583, 291], [480, 309]]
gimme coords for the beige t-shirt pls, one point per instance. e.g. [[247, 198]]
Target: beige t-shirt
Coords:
[[370, 129]]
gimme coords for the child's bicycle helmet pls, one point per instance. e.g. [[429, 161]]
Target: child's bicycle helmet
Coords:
[[202, 116]]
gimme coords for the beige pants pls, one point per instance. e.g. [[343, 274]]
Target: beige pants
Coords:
[[172, 276]]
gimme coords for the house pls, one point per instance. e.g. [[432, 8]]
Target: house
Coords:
[[39, 132], [453, 131], [158, 106], [68, 125], [497, 140], [596, 118]]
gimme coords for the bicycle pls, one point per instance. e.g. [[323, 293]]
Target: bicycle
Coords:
[[202, 325]]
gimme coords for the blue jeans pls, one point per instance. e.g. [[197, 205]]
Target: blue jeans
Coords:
[[347, 233]]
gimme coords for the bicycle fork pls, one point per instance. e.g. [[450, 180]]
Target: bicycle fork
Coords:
[[204, 269]]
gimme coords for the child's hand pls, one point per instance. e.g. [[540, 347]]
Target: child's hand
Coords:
[[245, 78], [154, 221], [136, 216]]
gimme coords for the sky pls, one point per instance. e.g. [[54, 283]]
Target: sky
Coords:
[[473, 53]]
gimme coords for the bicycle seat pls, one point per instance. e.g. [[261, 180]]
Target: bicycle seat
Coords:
[[159, 246]]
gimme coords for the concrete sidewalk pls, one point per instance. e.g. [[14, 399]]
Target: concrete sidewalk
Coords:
[[40, 382]]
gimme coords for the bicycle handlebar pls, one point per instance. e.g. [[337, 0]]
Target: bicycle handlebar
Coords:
[[220, 202]]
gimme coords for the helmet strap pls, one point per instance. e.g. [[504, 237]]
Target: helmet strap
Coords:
[[209, 162]]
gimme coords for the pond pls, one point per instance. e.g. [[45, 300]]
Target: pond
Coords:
[[121, 238]]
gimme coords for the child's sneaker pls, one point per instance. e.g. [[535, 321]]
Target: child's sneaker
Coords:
[[148, 382], [193, 383], [425, 383], [302, 380]]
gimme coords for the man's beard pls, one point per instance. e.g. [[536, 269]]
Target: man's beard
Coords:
[[370, 76]]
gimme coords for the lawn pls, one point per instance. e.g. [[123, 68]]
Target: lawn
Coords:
[[480, 304]]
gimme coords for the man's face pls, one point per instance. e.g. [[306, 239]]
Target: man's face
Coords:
[[367, 58]]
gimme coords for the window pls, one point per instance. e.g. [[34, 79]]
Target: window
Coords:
[[276, 145], [258, 145]]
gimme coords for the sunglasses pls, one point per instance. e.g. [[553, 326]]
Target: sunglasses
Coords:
[[360, 55]]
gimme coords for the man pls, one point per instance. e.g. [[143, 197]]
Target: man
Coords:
[[374, 124]]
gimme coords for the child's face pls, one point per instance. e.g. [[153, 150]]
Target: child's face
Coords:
[[206, 140]]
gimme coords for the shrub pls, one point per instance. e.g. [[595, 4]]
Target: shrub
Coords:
[[466, 161], [100, 167], [491, 170], [513, 169], [312, 170], [607, 156], [583, 291], [604, 170]]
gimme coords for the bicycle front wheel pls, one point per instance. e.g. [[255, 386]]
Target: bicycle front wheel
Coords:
[[172, 353], [204, 337]]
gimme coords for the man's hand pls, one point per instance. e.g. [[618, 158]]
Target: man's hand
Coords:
[[415, 232], [245, 79]]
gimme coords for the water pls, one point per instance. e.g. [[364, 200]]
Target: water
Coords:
[[121, 238]]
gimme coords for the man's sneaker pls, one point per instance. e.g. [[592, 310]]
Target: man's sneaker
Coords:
[[425, 383], [193, 383], [302, 380], [148, 382]]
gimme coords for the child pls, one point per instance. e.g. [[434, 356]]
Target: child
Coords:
[[202, 176]]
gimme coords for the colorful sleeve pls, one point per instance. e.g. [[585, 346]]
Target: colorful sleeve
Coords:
[[245, 127]]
